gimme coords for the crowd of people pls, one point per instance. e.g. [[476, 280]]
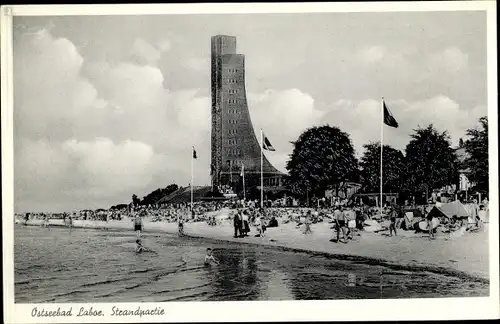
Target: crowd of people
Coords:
[[345, 218]]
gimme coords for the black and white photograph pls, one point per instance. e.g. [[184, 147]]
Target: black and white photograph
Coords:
[[196, 154]]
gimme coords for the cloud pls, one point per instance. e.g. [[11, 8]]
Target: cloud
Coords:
[[361, 119], [283, 115], [164, 45], [372, 54], [145, 53], [451, 60], [49, 90], [79, 171], [408, 63], [99, 131], [107, 168], [197, 64]]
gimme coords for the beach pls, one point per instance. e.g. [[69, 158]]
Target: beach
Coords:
[[467, 254]]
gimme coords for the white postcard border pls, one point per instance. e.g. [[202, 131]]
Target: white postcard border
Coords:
[[369, 310]]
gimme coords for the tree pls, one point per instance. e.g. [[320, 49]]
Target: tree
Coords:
[[476, 162], [159, 193], [393, 168], [431, 161], [135, 201], [322, 159], [119, 206]]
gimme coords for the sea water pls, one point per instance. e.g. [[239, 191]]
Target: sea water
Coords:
[[58, 265]]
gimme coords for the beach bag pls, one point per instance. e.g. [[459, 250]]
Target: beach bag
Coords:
[[351, 223]]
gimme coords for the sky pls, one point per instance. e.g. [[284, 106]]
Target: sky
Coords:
[[109, 106]]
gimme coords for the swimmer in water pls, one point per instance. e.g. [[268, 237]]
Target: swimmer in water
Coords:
[[209, 258], [141, 248]]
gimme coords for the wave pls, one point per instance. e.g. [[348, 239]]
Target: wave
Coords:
[[31, 280], [110, 294], [144, 270], [31, 267], [190, 269], [134, 286], [184, 297], [73, 292], [180, 289], [103, 282]]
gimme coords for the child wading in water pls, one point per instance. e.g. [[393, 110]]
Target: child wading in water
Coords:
[[141, 248], [180, 225], [209, 258], [138, 225]]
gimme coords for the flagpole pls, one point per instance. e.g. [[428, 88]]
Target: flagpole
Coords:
[[244, 191], [381, 152], [230, 173], [192, 176], [261, 169]]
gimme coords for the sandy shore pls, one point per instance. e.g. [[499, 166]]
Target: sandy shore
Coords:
[[467, 254]]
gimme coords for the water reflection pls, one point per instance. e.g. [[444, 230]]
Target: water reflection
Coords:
[[237, 276], [92, 266], [277, 287]]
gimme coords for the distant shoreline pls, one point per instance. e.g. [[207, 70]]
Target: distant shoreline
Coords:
[[288, 238]]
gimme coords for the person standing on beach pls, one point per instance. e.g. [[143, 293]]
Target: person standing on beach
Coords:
[[46, 221], [180, 224], [246, 227], [429, 225], [392, 226], [340, 223], [307, 222], [237, 225], [482, 213], [138, 226], [70, 221], [359, 219]]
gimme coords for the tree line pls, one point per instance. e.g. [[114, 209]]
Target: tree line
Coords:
[[323, 159], [151, 198]]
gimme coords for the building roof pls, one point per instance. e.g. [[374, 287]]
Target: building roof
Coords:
[[183, 195]]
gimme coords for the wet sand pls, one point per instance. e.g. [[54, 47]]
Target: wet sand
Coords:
[[467, 254]]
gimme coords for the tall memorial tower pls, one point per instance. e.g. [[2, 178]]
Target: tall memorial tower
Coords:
[[234, 142]]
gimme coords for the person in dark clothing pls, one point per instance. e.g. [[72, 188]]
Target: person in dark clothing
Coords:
[[273, 222], [429, 225], [237, 225], [392, 226], [359, 219]]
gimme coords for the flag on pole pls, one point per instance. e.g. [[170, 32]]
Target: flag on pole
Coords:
[[389, 119], [242, 170], [266, 144], [194, 153]]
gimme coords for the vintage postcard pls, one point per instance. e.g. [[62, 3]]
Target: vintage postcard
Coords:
[[250, 162]]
